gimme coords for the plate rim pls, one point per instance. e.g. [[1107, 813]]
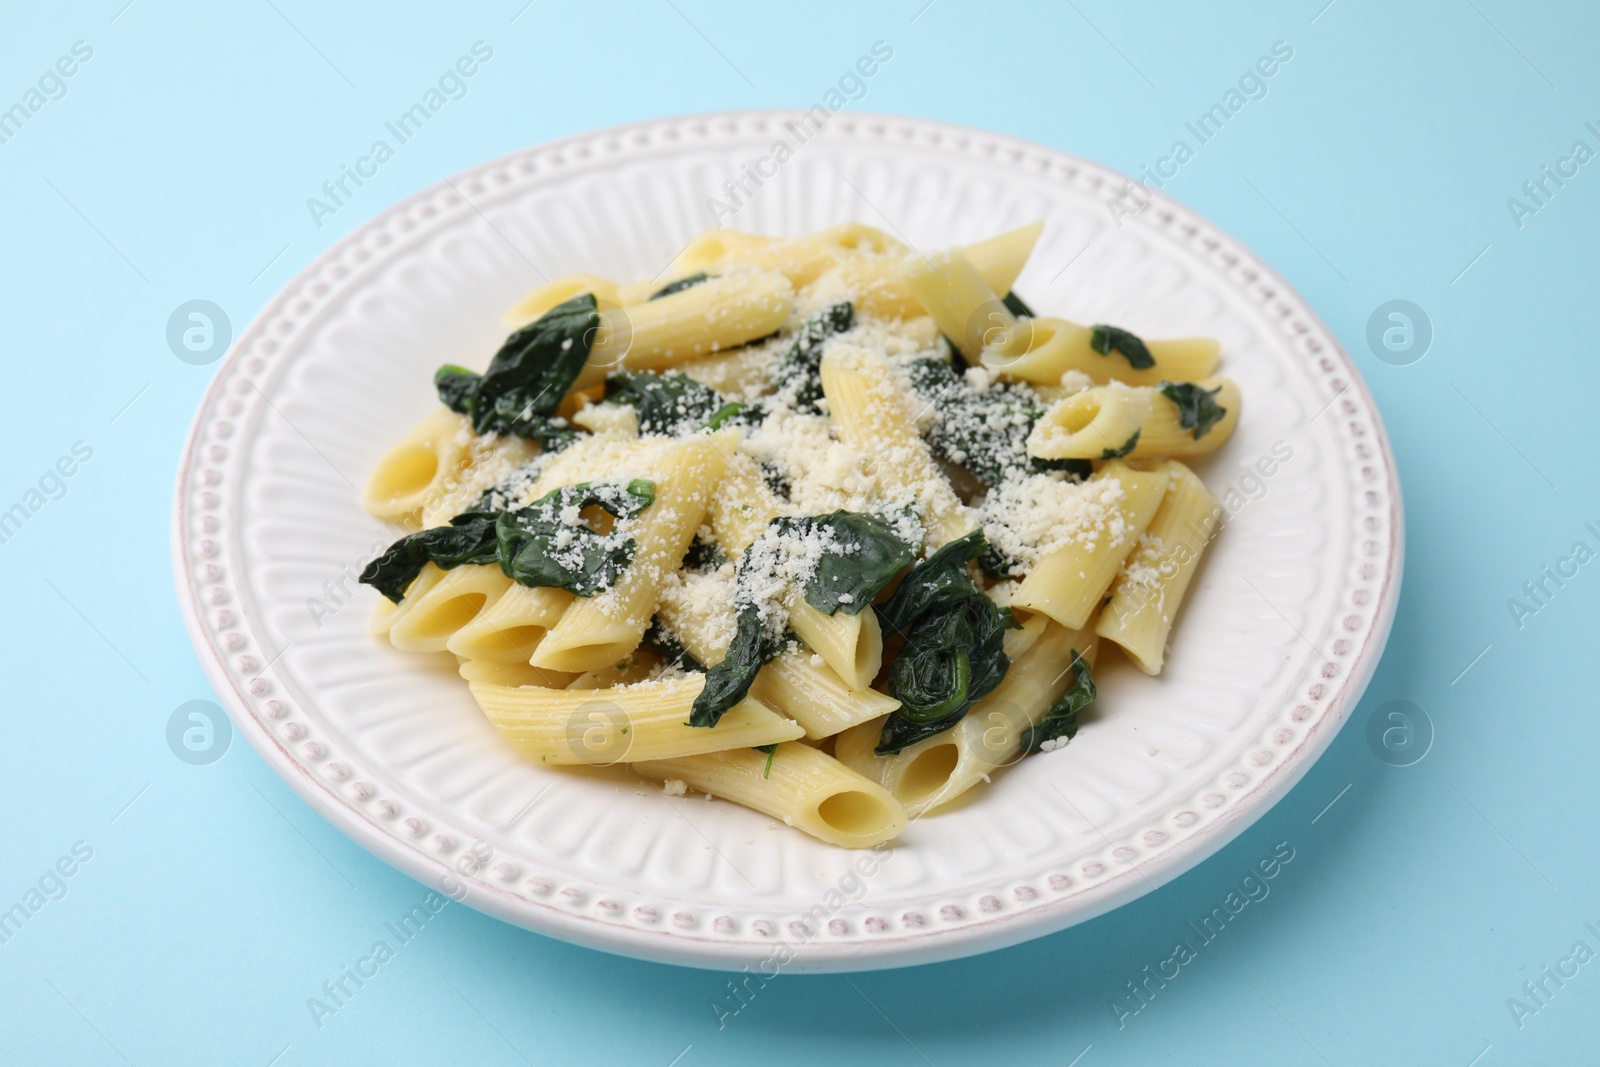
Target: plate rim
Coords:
[[664, 944]]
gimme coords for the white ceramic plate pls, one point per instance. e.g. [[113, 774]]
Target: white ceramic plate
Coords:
[[1282, 630]]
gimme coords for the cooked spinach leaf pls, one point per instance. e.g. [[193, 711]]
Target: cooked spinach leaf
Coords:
[[985, 431], [686, 282], [953, 654], [1106, 339], [862, 557], [1198, 409], [1118, 453], [547, 544], [660, 638], [469, 538], [1076, 469], [770, 750], [456, 386], [673, 404], [533, 545], [799, 371], [728, 681], [737, 413], [703, 555], [528, 377], [1017, 306], [1061, 721]]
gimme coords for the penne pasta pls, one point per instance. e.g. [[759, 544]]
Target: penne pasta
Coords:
[[796, 784], [598, 631], [1155, 577], [1102, 422], [513, 674], [815, 697], [714, 316], [1069, 583], [430, 620], [851, 644], [548, 295], [508, 630], [871, 417], [1001, 258], [962, 303], [422, 466], [932, 773], [605, 726], [1053, 346]]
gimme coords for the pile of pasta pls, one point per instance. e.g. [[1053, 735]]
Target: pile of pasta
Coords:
[[823, 526]]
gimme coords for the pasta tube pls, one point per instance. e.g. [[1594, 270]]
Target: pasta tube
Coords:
[[1069, 583], [1055, 346], [450, 603], [718, 314], [1150, 588], [421, 467], [806, 789], [935, 771], [598, 631], [871, 417], [639, 722], [1101, 422]]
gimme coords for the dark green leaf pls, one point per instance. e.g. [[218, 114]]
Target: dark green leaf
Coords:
[[456, 386], [1017, 306], [687, 282], [536, 545], [703, 555], [672, 404], [1118, 453], [1076, 469], [1062, 718], [985, 431], [1105, 339], [729, 681], [997, 565], [770, 750], [666, 643], [954, 653], [900, 732], [935, 583], [736, 413], [799, 371], [1198, 409], [865, 557], [529, 376], [469, 538]]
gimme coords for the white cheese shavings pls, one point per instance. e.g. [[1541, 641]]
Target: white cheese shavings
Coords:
[[1029, 518]]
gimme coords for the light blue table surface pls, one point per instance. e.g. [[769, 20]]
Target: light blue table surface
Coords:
[[174, 164]]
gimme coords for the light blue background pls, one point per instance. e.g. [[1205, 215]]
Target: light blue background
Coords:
[[1378, 167]]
